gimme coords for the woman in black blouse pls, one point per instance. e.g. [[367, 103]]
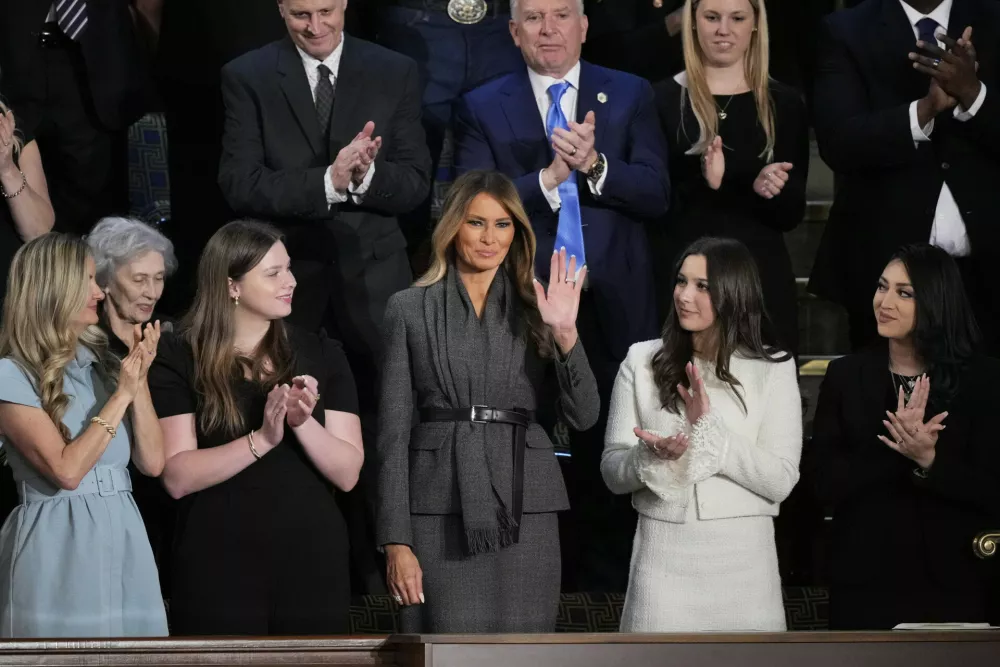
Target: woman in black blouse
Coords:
[[739, 148], [905, 456], [260, 421]]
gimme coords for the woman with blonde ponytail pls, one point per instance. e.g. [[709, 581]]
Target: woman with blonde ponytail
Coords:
[[739, 148], [74, 557]]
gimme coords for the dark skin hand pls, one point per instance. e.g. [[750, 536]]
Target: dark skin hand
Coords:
[[953, 70]]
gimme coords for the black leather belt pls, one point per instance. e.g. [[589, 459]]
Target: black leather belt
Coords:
[[480, 414], [494, 7], [52, 37]]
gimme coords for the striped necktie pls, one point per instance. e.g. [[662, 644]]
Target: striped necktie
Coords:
[[71, 15]]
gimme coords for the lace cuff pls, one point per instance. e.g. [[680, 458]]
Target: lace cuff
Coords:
[[708, 448]]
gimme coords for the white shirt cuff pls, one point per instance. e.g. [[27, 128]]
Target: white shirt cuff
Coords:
[[966, 114], [551, 196], [332, 195], [360, 191], [919, 133], [595, 189]]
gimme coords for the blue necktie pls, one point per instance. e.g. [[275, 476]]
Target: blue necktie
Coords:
[[925, 30], [569, 234], [71, 15]]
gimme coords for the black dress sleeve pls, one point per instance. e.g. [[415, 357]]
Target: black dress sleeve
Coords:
[[340, 394], [171, 378]]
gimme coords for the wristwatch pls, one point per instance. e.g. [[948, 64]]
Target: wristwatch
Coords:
[[595, 173]]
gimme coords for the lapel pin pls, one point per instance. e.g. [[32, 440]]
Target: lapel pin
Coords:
[[602, 98]]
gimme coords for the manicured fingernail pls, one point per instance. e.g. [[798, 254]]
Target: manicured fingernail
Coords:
[[421, 598]]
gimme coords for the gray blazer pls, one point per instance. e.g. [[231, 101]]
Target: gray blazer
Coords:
[[416, 462]]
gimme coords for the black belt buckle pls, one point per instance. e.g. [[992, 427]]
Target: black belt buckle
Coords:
[[480, 414]]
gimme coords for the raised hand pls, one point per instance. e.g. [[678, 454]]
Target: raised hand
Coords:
[[302, 400], [915, 442], [911, 412], [771, 180], [955, 70], [696, 403], [560, 304], [273, 429], [670, 448], [368, 148], [148, 341], [131, 374], [713, 164], [576, 145]]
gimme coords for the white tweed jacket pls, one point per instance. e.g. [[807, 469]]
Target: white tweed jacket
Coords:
[[737, 464]]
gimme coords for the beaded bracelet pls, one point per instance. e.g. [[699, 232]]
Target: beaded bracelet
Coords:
[[24, 184]]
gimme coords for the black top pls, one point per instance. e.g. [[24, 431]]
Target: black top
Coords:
[[10, 241], [735, 210], [264, 552], [902, 539]]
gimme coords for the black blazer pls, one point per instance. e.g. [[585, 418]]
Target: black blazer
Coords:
[[887, 188], [893, 530], [116, 62], [274, 160]]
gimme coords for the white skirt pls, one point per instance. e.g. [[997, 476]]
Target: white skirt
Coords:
[[701, 576]]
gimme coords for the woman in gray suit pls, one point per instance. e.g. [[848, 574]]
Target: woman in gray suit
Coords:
[[468, 497]]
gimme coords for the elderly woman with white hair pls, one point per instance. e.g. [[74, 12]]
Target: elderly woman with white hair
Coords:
[[133, 260]]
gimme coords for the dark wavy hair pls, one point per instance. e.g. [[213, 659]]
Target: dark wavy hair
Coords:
[[945, 333], [740, 319]]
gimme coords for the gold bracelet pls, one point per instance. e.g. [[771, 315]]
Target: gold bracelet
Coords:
[[108, 427], [253, 450]]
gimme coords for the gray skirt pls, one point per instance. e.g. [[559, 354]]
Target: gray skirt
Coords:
[[513, 590]]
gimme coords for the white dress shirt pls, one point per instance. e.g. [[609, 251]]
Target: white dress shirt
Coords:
[[332, 63], [948, 231], [540, 87]]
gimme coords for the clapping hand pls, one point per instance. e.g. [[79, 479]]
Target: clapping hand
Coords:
[[368, 151], [696, 403], [576, 145], [559, 304], [713, 164], [772, 179], [302, 400], [669, 449], [913, 438], [954, 70], [147, 342], [272, 430]]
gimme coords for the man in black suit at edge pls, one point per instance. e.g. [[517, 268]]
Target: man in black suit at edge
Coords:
[[913, 134], [323, 138], [78, 67]]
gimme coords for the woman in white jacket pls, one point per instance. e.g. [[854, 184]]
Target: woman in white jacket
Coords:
[[708, 463]]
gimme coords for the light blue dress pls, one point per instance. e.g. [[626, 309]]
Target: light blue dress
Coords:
[[76, 563]]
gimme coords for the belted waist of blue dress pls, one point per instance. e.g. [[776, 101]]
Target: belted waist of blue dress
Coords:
[[100, 481]]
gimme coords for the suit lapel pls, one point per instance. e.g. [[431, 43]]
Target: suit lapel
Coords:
[[351, 86], [896, 40], [295, 86], [521, 110], [593, 83]]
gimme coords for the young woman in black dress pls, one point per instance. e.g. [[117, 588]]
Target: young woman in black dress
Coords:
[[739, 149], [260, 421]]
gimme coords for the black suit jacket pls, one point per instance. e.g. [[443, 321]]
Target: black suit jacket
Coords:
[[893, 530], [274, 159], [888, 188], [117, 66]]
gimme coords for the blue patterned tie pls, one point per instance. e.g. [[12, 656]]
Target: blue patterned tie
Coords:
[[570, 231], [71, 15]]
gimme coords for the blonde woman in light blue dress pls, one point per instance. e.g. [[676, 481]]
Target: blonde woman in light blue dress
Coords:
[[75, 560]]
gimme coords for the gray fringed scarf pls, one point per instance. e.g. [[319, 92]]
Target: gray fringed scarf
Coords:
[[474, 358]]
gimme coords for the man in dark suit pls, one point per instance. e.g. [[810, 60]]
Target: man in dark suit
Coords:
[[914, 137], [78, 67], [590, 168], [323, 137]]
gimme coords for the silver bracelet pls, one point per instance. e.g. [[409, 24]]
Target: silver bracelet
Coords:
[[24, 184], [253, 450]]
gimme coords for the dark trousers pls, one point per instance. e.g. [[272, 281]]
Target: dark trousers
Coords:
[[85, 163], [355, 306], [453, 59], [598, 530], [976, 278]]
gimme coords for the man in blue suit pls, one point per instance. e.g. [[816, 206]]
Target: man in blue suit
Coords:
[[585, 149]]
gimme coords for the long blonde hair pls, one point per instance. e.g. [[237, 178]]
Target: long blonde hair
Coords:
[[756, 71], [47, 287], [520, 260], [209, 327]]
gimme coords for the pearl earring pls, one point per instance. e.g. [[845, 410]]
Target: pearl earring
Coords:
[[236, 300]]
